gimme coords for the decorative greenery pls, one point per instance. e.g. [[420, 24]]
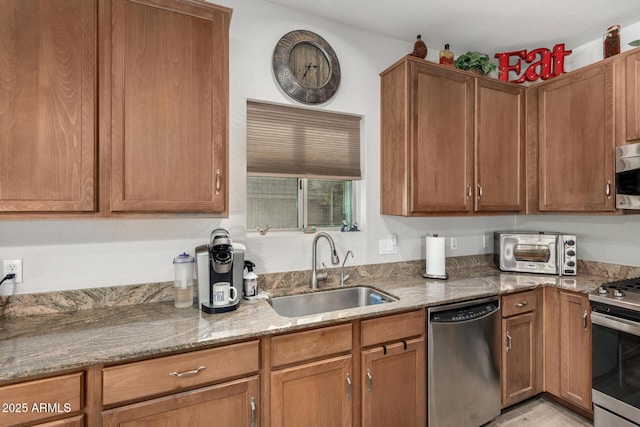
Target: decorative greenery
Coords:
[[472, 60], [635, 43]]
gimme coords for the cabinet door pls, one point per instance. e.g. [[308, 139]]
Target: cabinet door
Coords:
[[632, 92], [518, 358], [576, 142], [575, 349], [229, 404], [313, 395], [499, 147], [393, 385], [441, 153], [47, 105], [169, 106]]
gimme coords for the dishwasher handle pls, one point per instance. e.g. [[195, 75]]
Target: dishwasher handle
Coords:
[[468, 313]]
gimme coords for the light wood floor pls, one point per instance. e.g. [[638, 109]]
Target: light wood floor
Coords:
[[539, 412]]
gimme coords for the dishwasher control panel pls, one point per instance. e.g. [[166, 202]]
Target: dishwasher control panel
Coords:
[[465, 313]]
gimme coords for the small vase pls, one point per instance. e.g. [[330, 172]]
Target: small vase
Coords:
[[419, 48]]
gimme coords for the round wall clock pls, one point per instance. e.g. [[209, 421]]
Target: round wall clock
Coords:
[[306, 67]]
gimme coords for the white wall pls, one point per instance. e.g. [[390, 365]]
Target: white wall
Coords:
[[72, 254]]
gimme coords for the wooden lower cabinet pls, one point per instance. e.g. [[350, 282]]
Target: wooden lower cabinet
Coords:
[[521, 373], [567, 370], [229, 404], [518, 362], [313, 394], [393, 384], [575, 349]]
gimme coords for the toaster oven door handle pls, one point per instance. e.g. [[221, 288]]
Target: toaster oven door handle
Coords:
[[615, 323]]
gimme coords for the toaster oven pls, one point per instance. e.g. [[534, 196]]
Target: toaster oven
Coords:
[[535, 252]]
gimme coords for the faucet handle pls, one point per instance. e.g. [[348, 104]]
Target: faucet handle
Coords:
[[322, 275]]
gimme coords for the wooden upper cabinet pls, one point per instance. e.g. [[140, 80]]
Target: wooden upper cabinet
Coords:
[[47, 105], [576, 141], [426, 144], [632, 92], [441, 148], [169, 106], [450, 142], [500, 147]]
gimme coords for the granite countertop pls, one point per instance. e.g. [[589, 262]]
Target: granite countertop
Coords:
[[41, 344]]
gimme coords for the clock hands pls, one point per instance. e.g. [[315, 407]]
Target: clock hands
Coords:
[[307, 68]]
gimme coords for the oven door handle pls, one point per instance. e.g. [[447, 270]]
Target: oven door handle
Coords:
[[615, 323]]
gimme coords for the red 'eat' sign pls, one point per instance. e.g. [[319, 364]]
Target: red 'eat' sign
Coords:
[[544, 63]]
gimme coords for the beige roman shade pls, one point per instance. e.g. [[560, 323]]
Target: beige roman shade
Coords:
[[301, 142]]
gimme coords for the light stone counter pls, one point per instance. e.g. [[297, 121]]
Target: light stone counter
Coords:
[[40, 344]]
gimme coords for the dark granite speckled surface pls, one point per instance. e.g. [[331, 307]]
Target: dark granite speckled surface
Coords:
[[45, 343]]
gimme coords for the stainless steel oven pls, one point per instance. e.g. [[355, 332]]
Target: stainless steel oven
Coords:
[[616, 353]]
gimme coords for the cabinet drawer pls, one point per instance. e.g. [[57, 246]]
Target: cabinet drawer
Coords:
[[308, 345], [41, 399], [174, 373], [521, 302], [392, 328]]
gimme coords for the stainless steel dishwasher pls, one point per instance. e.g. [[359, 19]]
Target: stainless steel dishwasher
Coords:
[[463, 363]]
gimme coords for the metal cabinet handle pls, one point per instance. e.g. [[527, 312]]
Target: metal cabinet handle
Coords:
[[349, 390], [584, 320], [253, 412], [479, 191], [468, 192], [188, 373], [218, 181], [608, 189], [522, 304], [370, 382], [509, 342]]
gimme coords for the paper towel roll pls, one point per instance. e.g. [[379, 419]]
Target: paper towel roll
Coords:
[[435, 257]]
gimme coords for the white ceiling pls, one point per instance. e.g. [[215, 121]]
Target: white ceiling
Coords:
[[489, 26]]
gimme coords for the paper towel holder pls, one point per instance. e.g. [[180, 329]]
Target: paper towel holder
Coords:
[[444, 276]]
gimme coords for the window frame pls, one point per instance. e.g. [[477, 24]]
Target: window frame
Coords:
[[303, 205]]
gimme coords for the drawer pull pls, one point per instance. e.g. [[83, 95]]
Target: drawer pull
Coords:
[[188, 373], [522, 304]]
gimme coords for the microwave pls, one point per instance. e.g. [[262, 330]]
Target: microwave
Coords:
[[628, 176], [536, 252]]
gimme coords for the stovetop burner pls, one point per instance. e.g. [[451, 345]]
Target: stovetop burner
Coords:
[[629, 285], [622, 293]]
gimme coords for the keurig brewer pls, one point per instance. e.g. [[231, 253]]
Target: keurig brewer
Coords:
[[220, 266]]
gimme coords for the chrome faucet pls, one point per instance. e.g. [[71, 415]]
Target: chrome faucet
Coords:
[[315, 276], [344, 278]]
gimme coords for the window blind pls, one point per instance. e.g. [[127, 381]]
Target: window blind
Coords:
[[300, 142]]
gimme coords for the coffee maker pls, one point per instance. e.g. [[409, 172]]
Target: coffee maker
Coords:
[[219, 261]]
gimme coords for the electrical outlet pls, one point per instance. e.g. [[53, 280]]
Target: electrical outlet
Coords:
[[454, 243], [14, 266], [387, 247]]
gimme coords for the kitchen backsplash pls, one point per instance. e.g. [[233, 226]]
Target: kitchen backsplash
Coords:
[[274, 283]]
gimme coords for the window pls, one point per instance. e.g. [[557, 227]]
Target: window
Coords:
[[303, 166]]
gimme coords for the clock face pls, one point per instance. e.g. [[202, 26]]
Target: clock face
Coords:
[[306, 67], [309, 65]]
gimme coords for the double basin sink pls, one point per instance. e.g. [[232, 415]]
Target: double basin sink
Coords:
[[330, 300]]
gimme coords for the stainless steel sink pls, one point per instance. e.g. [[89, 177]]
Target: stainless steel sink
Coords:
[[331, 300]]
